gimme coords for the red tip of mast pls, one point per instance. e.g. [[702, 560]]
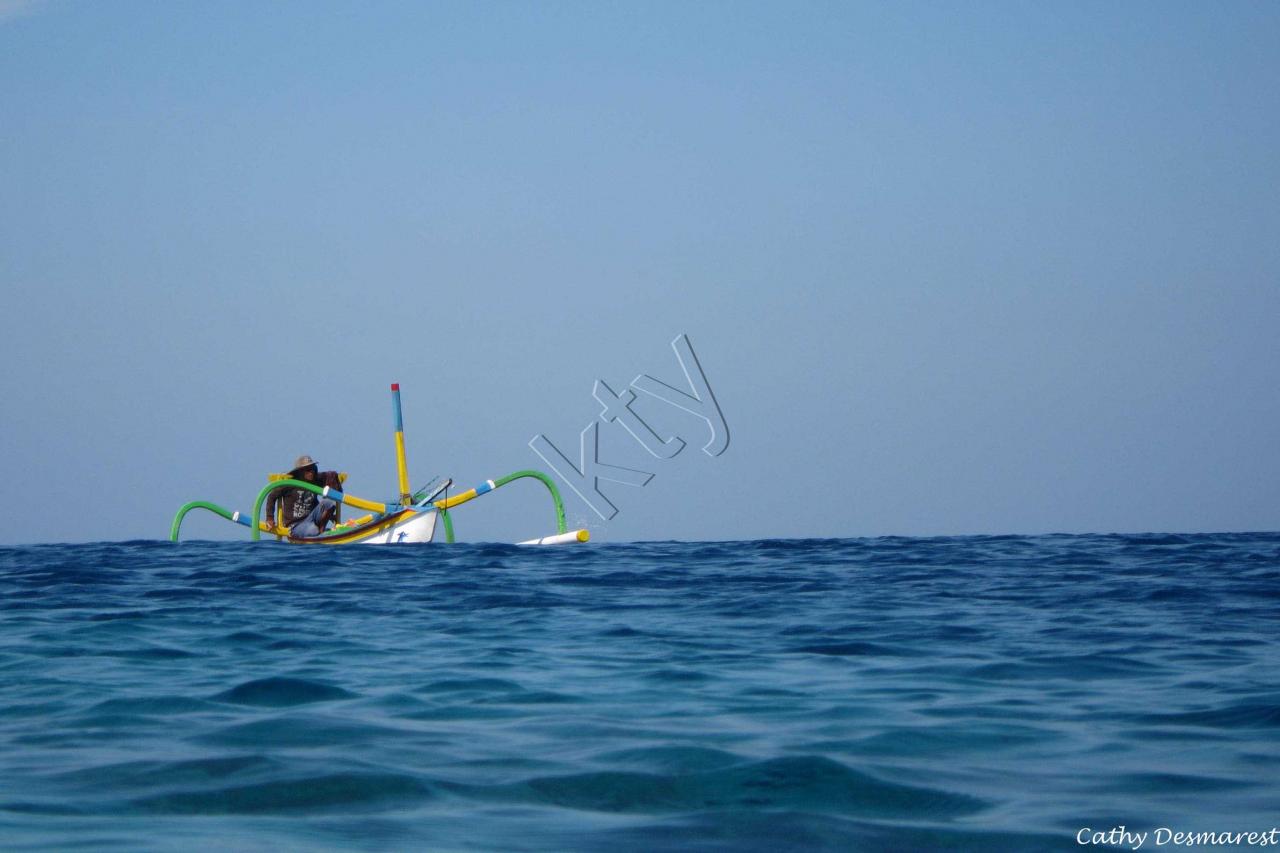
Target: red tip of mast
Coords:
[[395, 386]]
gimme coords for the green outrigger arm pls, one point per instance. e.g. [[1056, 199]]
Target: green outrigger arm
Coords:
[[488, 486], [212, 507]]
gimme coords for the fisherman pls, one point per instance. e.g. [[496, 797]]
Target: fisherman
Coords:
[[303, 511]]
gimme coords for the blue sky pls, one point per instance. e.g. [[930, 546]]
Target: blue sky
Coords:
[[949, 268]]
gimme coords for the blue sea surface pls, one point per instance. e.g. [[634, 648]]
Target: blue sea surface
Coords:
[[975, 693]]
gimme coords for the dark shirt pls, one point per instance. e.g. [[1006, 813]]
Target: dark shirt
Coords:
[[297, 504]]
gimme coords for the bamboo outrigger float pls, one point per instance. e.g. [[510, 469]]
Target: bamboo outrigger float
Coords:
[[410, 518]]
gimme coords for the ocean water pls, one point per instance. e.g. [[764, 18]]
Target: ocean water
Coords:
[[977, 693]]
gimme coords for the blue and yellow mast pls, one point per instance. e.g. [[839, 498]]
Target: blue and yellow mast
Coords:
[[402, 468]]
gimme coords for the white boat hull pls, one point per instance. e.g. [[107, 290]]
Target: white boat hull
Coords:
[[418, 527]]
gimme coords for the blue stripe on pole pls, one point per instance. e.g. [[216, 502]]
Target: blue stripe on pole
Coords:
[[486, 486], [395, 410]]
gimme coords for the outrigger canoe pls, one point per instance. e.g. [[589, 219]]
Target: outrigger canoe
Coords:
[[410, 518]]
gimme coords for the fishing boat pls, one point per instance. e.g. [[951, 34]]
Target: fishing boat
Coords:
[[409, 518]]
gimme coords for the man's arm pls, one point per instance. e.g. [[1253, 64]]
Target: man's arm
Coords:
[[333, 481], [272, 500]]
